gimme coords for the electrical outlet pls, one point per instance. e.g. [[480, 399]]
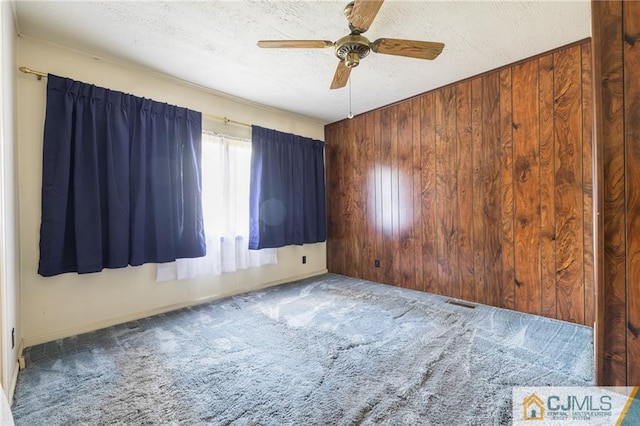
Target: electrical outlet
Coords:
[[304, 259], [376, 263]]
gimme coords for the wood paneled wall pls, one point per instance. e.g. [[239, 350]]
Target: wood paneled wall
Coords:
[[616, 36], [481, 190]]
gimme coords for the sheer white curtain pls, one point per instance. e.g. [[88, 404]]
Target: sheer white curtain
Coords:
[[225, 202]]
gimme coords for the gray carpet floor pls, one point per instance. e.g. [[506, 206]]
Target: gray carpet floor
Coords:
[[328, 350]]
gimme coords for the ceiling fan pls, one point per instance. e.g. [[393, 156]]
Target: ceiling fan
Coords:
[[351, 48]]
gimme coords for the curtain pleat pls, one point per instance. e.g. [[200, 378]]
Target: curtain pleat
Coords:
[[287, 195], [121, 180]]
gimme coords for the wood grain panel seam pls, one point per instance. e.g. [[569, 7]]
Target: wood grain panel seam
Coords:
[[553, 162], [540, 177], [580, 109], [484, 228], [454, 173], [513, 198], [584, 266], [626, 201]]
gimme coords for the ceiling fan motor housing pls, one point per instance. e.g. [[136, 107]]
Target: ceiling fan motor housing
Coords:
[[352, 48]]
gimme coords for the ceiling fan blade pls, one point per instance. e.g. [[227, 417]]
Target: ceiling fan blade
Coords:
[[363, 14], [408, 48], [307, 44], [341, 77]]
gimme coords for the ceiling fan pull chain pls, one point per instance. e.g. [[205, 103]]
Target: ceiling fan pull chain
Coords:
[[350, 116]]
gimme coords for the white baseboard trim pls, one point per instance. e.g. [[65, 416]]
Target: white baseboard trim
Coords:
[[14, 374], [49, 337], [14, 382]]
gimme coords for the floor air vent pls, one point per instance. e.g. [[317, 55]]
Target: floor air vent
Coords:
[[463, 304]]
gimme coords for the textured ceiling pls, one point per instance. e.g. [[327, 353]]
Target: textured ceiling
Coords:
[[213, 43]]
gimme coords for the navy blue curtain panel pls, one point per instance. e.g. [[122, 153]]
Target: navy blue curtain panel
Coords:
[[121, 181], [287, 190]]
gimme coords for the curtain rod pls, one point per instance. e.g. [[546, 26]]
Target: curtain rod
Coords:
[[226, 120], [39, 74]]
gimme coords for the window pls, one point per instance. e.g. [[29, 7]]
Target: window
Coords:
[[226, 163], [225, 186]]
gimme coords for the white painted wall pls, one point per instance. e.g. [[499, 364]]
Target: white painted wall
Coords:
[[6, 418], [69, 304], [9, 267]]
